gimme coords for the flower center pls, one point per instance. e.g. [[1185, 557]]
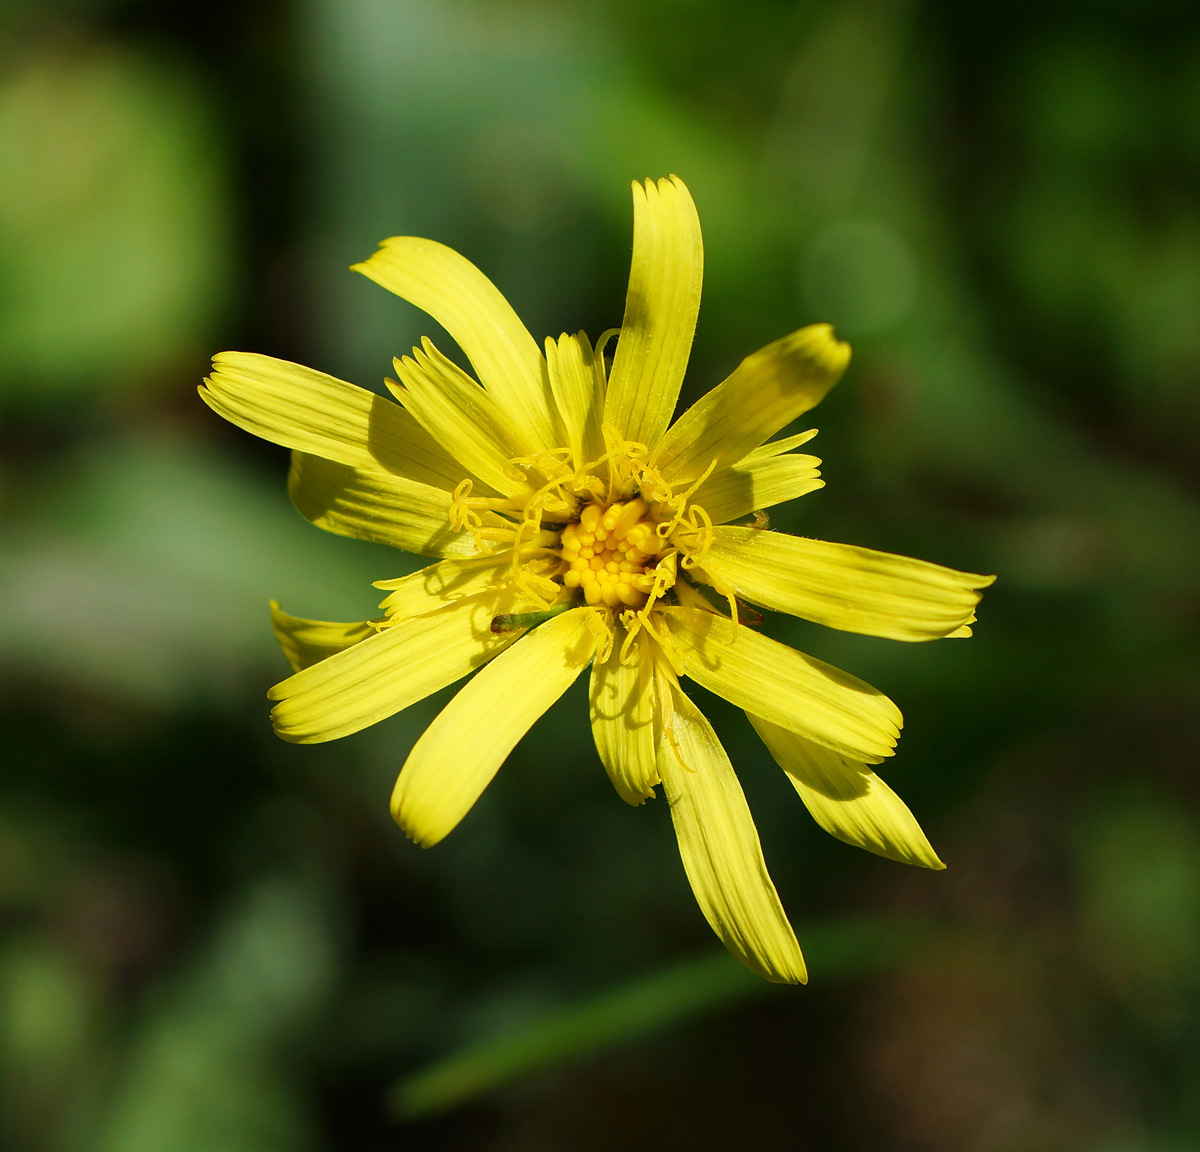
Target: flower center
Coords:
[[610, 553]]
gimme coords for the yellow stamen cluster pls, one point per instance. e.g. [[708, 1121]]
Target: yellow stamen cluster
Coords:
[[607, 552]]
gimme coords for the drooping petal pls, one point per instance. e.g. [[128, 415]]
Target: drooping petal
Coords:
[[377, 506], [756, 483], [459, 753], [622, 707], [483, 324], [847, 799], [460, 415], [802, 694], [442, 583], [578, 395], [306, 410], [387, 672], [844, 586], [660, 311], [305, 642], [720, 847], [766, 392]]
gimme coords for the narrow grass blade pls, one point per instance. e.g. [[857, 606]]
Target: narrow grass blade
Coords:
[[639, 1008]]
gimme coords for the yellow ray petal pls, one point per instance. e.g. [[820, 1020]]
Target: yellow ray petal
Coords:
[[578, 395], [720, 847], [299, 408], [776, 447], [442, 583], [471, 308], [754, 483], [802, 694], [379, 507], [387, 672], [660, 311], [305, 642], [622, 707], [843, 586], [459, 414], [847, 799], [459, 753], [766, 392]]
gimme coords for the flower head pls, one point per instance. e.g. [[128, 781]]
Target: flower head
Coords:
[[577, 525]]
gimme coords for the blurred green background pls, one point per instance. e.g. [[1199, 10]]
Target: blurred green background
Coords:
[[211, 941]]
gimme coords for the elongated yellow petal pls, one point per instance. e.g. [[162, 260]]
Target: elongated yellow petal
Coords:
[[377, 506], [471, 308], [305, 642], [766, 392], [387, 672], [459, 753], [442, 583], [762, 482], [660, 311], [720, 847], [456, 412], [847, 799], [578, 395], [777, 447], [299, 408], [804, 695], [843, 586], [622, 706]]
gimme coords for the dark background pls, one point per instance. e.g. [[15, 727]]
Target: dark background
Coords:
[[211, 941]]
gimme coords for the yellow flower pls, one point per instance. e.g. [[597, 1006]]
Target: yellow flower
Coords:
[[577, 525]]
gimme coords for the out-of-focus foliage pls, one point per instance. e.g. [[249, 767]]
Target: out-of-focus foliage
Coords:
[[635, 1009], [114, 233], [210, 940]]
